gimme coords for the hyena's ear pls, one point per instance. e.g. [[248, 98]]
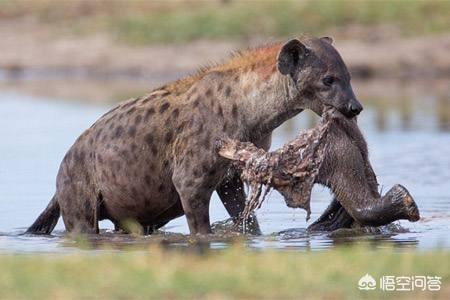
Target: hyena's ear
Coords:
[[327, 39], [291, 57]]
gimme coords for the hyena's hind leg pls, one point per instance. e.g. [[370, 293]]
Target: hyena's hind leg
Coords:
[[79, 209]]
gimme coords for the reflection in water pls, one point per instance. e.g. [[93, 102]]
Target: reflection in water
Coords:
[[406, 114], [397, 104], [407, 105], [407, 131], [380, 110], [443, 112]]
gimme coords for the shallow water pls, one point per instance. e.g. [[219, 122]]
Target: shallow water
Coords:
[[408, 138]]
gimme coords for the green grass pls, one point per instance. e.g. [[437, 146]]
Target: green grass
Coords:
[[280, 18], [140, 22], [233, 273]]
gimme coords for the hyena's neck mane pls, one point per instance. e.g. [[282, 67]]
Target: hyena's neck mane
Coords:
[[261, 60]]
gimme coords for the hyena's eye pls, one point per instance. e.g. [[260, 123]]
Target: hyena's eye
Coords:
[[328, 80]]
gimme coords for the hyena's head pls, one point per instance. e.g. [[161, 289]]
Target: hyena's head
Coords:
[[319, 74]]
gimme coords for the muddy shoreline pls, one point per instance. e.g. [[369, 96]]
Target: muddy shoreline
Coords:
[[40, 53]]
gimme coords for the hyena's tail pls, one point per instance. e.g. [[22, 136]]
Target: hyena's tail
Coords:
[[47, 220]]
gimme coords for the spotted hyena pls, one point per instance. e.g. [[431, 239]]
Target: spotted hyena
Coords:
[[152, 159]]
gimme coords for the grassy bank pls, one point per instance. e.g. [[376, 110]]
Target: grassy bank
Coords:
[[136, 39], [145, 22], [229, 274]]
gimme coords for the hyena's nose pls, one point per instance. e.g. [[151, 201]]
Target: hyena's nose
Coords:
[[354, 108]]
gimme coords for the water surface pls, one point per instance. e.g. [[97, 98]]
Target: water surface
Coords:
[[409, 142]]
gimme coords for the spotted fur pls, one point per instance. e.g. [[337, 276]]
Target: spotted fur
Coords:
[[152, 159]]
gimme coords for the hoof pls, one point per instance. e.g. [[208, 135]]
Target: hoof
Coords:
[[410, 206], [412, 210]]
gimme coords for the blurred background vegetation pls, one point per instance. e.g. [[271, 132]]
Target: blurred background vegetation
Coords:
[[141, 39], [147, 22]]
